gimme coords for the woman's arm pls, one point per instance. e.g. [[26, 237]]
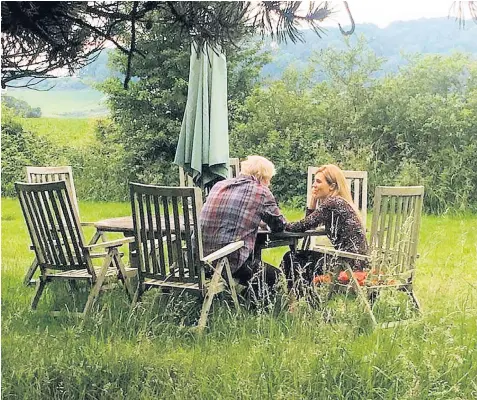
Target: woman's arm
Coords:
[[313, 219]]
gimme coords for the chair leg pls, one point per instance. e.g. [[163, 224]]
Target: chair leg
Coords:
[[231, 283], [209, 295], [40, 285], [93, 294], [122, 271], [409, 290], [30, 272], [95, 237], [359, 292]]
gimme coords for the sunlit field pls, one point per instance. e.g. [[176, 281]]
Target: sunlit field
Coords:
[[70, 132], [64, 103], [327, 352]]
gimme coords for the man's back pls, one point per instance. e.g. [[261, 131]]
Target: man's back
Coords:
[[233, 211]]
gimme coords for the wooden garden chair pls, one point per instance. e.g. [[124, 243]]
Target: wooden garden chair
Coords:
[[170, 254], [58, 241], [54, 174], [393, 246], [358, 184]]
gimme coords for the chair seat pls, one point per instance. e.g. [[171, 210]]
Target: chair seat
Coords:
[[84, 274], [171, 284]]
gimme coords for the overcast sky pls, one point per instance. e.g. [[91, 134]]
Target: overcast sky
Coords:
[[383, 12]]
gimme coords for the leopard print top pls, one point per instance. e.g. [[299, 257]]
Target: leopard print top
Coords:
[[342, 224]]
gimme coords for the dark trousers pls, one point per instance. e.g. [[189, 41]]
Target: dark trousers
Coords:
[[300, 268], [259, 277]]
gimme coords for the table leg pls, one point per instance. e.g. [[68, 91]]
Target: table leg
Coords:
[[133, 254]]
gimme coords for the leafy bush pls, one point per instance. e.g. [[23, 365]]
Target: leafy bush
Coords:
[[417, 127], [21, 107], [21, 148]]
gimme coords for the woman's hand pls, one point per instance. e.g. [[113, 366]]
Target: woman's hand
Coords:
[[313, 199]]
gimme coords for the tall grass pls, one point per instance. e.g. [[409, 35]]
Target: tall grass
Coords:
[[258, 354]]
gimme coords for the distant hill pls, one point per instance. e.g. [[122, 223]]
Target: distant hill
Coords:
[[424, 36], [74, 97]]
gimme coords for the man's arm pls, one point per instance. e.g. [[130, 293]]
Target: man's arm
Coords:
[[271, 214]]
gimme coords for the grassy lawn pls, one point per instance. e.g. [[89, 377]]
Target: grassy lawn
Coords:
[[68, 132], [323, 353]]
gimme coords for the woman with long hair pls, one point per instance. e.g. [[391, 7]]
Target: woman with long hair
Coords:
[[331, 205]]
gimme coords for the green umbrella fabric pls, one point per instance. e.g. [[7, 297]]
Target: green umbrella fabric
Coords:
[[203, 148]]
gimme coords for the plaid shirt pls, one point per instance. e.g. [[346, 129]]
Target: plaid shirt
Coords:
[[233, 211]]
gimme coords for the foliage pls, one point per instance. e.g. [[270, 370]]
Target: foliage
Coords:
[[149, 113], [21, 148], [39, 38], [309, 354], [21, 108], [414, 127], [100, 171]]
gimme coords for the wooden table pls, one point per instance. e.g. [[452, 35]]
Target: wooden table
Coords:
[[265, 238], [125, 226], [268, 240]]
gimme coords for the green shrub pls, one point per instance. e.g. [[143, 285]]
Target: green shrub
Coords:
[[21, 148]]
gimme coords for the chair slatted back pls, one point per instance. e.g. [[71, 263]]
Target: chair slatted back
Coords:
[[54, 226], [172, 249], [395, 228], [357, 183], [53, 174], [234, 167]]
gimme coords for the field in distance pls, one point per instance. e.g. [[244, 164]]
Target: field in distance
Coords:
[[68, 132], [64, 103]]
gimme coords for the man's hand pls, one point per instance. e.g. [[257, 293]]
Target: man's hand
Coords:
[[264, 226]]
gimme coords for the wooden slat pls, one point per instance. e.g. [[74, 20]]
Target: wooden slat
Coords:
[[133, 196], [398, 221], [61, 258], [64, 229], [70, 225], [168, 233], [390, 220], [178, 242], [356, 193], [382, 215], [33, 228], [401, 190], [142, 245], [151, 236], [157, 212], [167, 191], [188, 236]]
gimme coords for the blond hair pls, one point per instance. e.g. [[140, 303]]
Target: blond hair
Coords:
[[258, 167], [334, 176]]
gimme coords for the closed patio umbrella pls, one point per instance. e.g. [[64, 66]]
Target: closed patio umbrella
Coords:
[[203, 147]]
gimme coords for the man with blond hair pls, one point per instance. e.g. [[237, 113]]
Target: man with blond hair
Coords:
[[234, 210]]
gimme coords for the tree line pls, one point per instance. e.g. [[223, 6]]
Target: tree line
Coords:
[[415, 126]]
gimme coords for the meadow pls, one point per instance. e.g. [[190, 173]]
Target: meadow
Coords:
[[83, 103], [312, 353], [67, 132]]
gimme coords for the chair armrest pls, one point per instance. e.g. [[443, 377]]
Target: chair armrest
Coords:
[[340, 253], [111, 243], [224, 251], [82, 223]]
